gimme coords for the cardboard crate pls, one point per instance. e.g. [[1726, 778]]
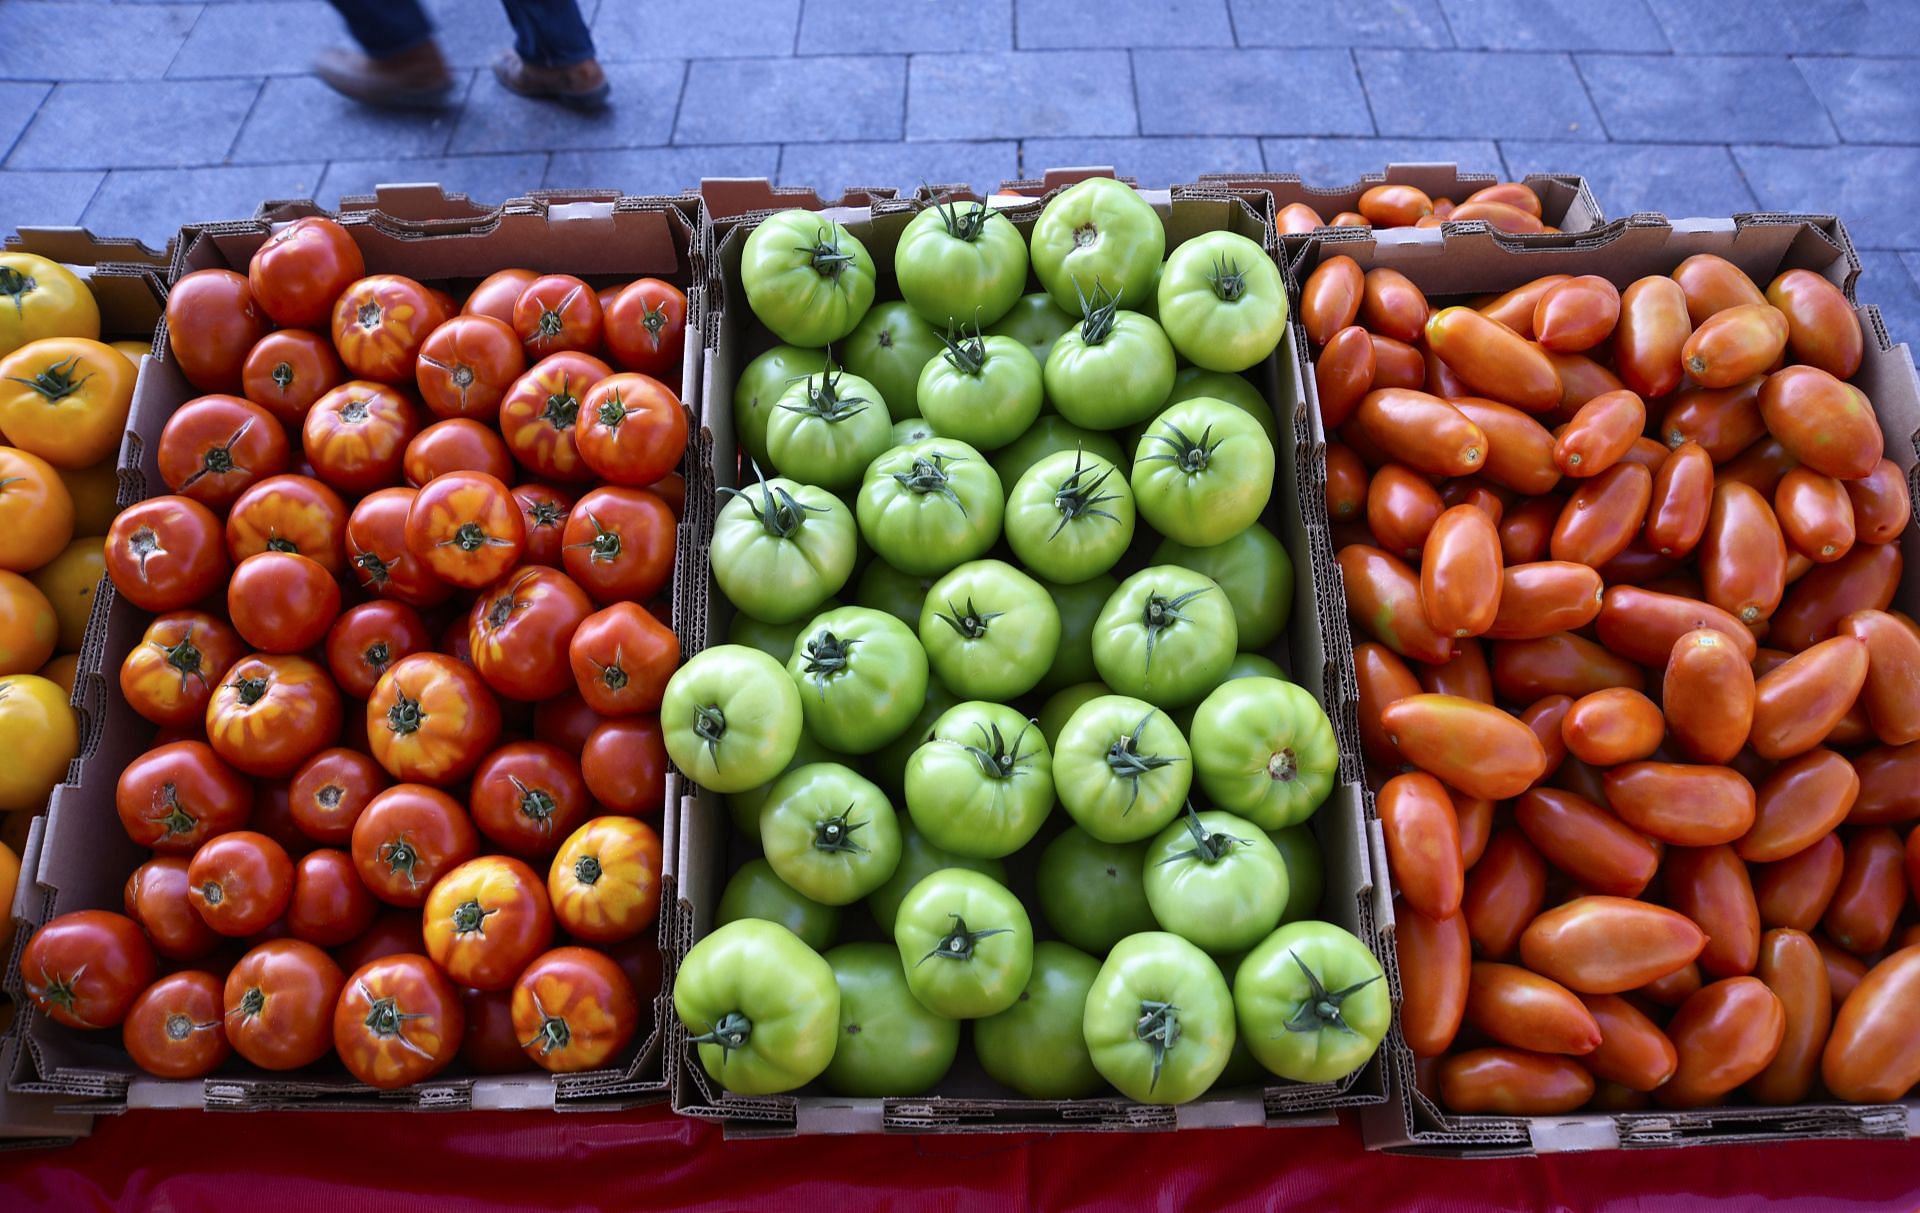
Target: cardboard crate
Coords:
[[966, 1101], [86, 856], [1464, 263], [1565, 200]]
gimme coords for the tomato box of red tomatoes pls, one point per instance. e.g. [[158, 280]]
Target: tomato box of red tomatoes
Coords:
[[370, 802], [1647, 809], [777, 1030], [1423, 195]]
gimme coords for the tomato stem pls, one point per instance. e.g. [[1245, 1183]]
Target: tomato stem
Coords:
[[835, 834], [16, 286], [967, 354], [1078, 497], [970, 623], [825, 403], [960, 225], [405, 715], [996, 760], [1208, 846], [958, 943], [586, 869], [731, 1031], [825, 255], [1229, 282], [1125, 760], [929, 475], [1159, 1027], [778, 511], [1320, 1009], [710, 726], [1184, 452], [1098, 312], [57, 381], [827, 655]]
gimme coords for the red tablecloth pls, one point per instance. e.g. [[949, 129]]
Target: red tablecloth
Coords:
[[343, 1163]]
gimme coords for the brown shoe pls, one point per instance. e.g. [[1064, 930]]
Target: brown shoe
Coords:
[[412, 79], [580, 85]]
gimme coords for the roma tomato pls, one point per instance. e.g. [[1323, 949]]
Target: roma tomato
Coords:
[[1644, 625], [625, 765], [527, 796], [1503, 893], [1723, 1035], [86, 968], [605, 881], [1613, 726], [279, 1002], [1520, 454], [1680, 502], [1652, 330], [290, 514], [646, 327], [1508, 1004], [1424, 432], [1540, 598], [1872, 891], [1526, 530], [216, 447], [1606, 945], [1710, 885], [1576, 314], [1423, 843], [1891, 693], [486, 919], [1383, 679], [465, 527], [1493, 360], [1822, 421], [1392, 306], [1798, 703], [1383, 597], [558, 312], [329, 792], [366, 640], [302, 268], [1633, 1051], [1712, 285], [176, 1027], [431, 719], [1402, 506], [176, 796], [573, 1009], [1436, 957], [541, 412], [1734, 344], [1881, 509], [1600, 434], [618, 544], [286, 371], [156, 897], [1800, 802], [356, 435], [467, 366], [212, 321], [398, 1022], [1689, 806], [1586, 842], [1872, 1055], [621, 659], [1460, 573], [1742, 555], [170, 675], [1513, 1082], [1791, 967], [407, 838], [1343, 374], [1795, 892], [240, 882], [281, 602], [1815, 514], [379, 325], [519, 631], [166, 553], [330, 904], [273, 713], [1822, 329], [1474, 747], [632, 429], [1515, 309], [1862, 580], [544, 511], [376, 543], [458, 444], [1330, 299], [1603, 515]]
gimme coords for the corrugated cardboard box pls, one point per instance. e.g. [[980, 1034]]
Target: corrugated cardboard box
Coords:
[[1565, 200]]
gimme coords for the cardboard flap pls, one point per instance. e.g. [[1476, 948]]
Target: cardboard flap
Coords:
[[77, 246], [1572, 1134], [513, 1094], [826, 1115], [1221, 1114], [155, 1093]]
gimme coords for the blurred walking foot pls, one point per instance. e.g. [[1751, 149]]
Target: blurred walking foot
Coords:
[[578, 85], [413, 79]]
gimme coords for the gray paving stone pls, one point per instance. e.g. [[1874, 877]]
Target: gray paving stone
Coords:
[[644, 97], [33, 199], [1677, 179], [1250, 92], [1775, 27], [1891, 282], [1869, 188], [1704, 99], [1069, 24], [1869, 100], [153, 203], [847, 27], [832, 167], [1337, 162], [660, 170], [148, 124], [1007, 96], [298, 116], [1157, 163], [774, 100], [232, 37], [1407, 23], [627, 29], [89, 41], [486, 179], [1477, 95], [19, 99], [1554, 25]]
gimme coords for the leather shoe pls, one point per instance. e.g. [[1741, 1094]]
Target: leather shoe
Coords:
[[578, 85], [413, 79]]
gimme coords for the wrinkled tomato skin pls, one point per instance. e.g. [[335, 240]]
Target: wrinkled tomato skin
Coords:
[[625, 765]]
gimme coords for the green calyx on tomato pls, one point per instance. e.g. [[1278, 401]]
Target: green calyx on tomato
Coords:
[[1253, 570], [827, 428], [762, 1009], [1222, 302], [1115, 369], [1165, 636], [781, 548], [1265, 750], [1311, 1002], [1159, 1021], [997, 634], [961, 262], [830, 833], [761, 385], [1203, 472], [1216, 881], [1121, 769], [862, 678], [983, 784], [806, 278], [966, 943], [1070, 517], [927, 507], [984, 391], [731, 718], [1051, 432]]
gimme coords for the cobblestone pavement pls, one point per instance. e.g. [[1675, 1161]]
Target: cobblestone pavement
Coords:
[[134, 117]]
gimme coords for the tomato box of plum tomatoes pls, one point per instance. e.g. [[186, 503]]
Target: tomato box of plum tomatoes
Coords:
[[1007, 796], [370, 801], [1623, 530], [1541, 207]]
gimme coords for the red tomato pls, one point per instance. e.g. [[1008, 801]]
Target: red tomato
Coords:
[[622, 658], [486, 919], [1633, 1051], [1873, 889], [1585, 841], [376, 540], [331, 790], [1724, 1035], [156, 898], [212, 321], [458, 444], [565, 721], [240, 882], [527, 796], [279, 1004], [1435, 956], [1423, 842], [1503, 893], [544, 509], [273, 816], [497, 293], [281, 602], [214, 448], [431, 719], [467, 365], [1710, 885], [1791, 967], [1795, 891], [356, 435], [176, 796], [288, 370], [165, 553], [619, 544], [379, 324], [398, 1022], [176, 1027], [558, 312], [330, 904], [394, 932], [625, 765], [489, 1045], [1508, 1004], [302, 268], [632, 429], [541, 411], [273, 713], [85, 969], [171, 673], [408, 837], [646, 327], [605, 881], [366, 640], [1513, 1082], [290, 514], [1604, 945], [573, 1009], [520, 628], [466, 528], [1873, 1055]]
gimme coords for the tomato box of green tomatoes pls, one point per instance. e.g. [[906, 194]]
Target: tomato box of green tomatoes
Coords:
[[947, 859]]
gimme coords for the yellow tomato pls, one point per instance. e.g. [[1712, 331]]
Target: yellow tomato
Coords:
[[36, 511], [134, 350], [41, 298], [28, 626], [68, 581], [62, 671], [66, 399], [9, 884], [41, 739], [95, 491]]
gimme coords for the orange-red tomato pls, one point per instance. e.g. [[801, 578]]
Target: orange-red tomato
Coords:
[[1872, 891], [215, 447], [466, 366], [1383, 678], [486, 919], [1503, 893], [621, 658], [376, 543], [573, 1009], [330, 904], [632, 429], [1516, 308], [431, 719], [1864, 579], [1603, 515], [1653, 328], [544, 510], [1330, 298], [1423, 843], [1347, 484], [156, 897], [497, 293], [1498, 215], [558, 312], [1633, 1051], [605, 881], [1891, 692], [290, 514], [1493, 360], [329, 792], [398, 1022], [1545, 717], [1436, 958], [625, 765], [1343, 374], [1600, 434], [1460, 573], [282, 602], [1710, 885], [1526, 530], [1794, 892], [1613, 726], [1513, 1082], [1712, 285], [176, 1027], [1800, 802], [1688, 806], [1791, 967], [1396, 364], [240, 882], [273, 713], [1822, 329], [1394, 205], [1383, 597], [1392, 306], [367, 639], [1724, 421], [286, 371], [519, 630], [356, 435], [1822, 421], [458, 444], [379, 325], [302, 268], [1577, 314], [1465, 673], [1735, 344], [176, 796], [646, 327], [1873, 1054], [212, 321], [1606, 945], [1540, 598], [1724, 1035], [407, 838], [466, 529], [527, 796], [1472, 746], [1297, 217], [1742, 555], [1560, 664], [1520, 451], [618, 544], [1674, 988], [1798, 703], [166, 553], [1815, 513], [1881, 509], [1402, 507], [1581, 379], [1889, 785], [170, 675], [279, 1002], [84, 969], [1424, 432], [1586, 842], [1508, 1004], [1680, 502], [1644, 625], [541, 412]]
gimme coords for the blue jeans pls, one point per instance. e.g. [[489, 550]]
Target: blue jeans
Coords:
[[547, 33]]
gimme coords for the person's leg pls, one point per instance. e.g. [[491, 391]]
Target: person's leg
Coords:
[[401, 63], [552, 57], [385, 28]]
